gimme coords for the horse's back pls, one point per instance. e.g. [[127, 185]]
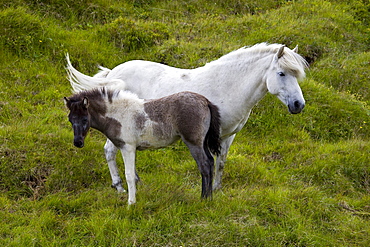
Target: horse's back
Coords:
[[145, 70], [151, 80]]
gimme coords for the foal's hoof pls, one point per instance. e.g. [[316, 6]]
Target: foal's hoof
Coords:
[[216, 187], [130, 203], [119, 188]]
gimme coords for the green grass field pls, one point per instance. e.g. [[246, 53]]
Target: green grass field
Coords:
[[290, 180]]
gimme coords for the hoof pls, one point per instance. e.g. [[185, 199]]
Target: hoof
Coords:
[[131, 203], [216, 187], [118, 187], [121, 190]]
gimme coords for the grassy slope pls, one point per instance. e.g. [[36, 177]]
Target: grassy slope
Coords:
[[301, 180]]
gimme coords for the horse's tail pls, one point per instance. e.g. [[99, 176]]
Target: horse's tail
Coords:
[[213, 141], [80, 82]]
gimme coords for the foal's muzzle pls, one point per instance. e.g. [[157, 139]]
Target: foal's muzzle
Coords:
[[296, 106], [79, 135], [78, 142]]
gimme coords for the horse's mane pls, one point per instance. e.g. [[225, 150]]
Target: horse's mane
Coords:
[[290, 61], [105, 94]]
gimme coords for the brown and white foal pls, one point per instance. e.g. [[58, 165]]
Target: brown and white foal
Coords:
[[137, 124]]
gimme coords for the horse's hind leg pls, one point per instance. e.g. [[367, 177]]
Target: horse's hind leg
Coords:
[[205, 165], [110, 151]]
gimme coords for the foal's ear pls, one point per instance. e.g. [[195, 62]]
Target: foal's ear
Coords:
[[85, 102], [66, 100], [295, 49]]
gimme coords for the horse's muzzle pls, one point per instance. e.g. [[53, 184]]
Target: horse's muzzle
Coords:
[[296, 107], [78, 143]]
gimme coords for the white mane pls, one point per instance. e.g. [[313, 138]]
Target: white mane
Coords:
[[290, 61]]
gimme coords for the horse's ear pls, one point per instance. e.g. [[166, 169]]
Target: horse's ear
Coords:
[[66, 100], [295, 49], [85, 102], [280, 52]]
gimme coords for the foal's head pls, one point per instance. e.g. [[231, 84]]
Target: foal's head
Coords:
[[79, 118]]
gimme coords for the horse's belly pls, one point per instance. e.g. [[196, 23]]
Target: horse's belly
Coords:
[[234, 126]]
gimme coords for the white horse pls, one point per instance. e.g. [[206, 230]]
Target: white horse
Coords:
[[235, 83]]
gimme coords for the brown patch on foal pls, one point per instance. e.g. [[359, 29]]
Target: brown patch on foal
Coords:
[[140, 120], [174, 111], [113, 131]]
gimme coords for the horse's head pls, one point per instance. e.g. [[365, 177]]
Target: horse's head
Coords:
[[79, 118], [282, 78]]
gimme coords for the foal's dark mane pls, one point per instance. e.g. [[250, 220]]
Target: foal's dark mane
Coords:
[[96, 94]]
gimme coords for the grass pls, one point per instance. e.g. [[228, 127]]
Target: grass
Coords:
[[290, 180]]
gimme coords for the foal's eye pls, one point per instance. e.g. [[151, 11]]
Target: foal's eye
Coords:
[[281, 74]]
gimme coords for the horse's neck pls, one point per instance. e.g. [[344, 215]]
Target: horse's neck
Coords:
[[98, 112], [243, 77]]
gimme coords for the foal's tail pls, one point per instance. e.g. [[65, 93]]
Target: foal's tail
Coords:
[[81, 82], [212, 141]]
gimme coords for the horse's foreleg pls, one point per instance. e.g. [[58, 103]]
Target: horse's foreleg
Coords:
[[128, 154], [220, 161], [110, 151]]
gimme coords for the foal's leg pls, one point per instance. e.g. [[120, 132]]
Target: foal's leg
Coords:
[[220, 161], [110, 151], [205, 164], [128, 154]]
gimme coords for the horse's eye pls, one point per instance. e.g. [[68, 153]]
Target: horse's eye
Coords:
[[281, 74]]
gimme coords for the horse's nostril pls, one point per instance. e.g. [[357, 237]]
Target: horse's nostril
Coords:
[[78, 144], [299, 105], [296, 107]]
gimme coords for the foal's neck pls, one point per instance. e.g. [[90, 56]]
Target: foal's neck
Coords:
[[109, 126], [97, 110]]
